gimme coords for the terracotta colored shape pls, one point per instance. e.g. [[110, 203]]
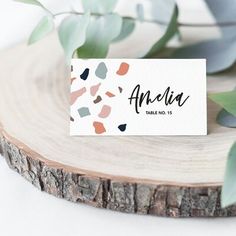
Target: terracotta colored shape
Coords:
[[109, 94], [123, 69], [99, 127]]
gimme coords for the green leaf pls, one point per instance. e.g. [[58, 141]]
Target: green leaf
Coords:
[[228, 193], [72, 33], [43, 28], [128, 26], [162, 10], [224, 11], [101, 31], [34, 2], [220, 53], [169, 33], [226, 119], [99, 6], [140, 12], [226, 99]]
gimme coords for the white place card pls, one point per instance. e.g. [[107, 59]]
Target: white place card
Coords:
[[138, 97]]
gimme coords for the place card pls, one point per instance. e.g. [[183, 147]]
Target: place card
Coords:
[[138, 97]]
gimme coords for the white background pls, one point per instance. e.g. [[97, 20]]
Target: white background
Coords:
[[24, 210]]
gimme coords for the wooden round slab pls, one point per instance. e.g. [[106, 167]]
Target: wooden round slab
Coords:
[[167, 176]]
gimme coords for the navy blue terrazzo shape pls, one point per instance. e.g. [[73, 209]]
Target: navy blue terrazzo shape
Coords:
[[122, 127], [85, 74]]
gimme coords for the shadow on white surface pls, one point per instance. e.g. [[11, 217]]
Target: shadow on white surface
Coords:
[[24, 210]]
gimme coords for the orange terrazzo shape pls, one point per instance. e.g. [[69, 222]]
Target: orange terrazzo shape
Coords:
[[123, 69], [99, 127], [109, 94]]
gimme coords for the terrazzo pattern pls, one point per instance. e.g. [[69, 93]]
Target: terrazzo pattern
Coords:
[[97, 94]]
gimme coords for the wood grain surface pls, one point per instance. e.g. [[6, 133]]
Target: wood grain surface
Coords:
[[159, 175]]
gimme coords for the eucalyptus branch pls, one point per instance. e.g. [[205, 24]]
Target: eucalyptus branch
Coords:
[[48, 11], [180, 24]]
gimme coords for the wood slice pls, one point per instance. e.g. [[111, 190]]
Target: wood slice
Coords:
[[158, 175]]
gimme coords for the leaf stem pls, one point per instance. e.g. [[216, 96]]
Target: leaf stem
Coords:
[[180, 24], [45, 9]]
